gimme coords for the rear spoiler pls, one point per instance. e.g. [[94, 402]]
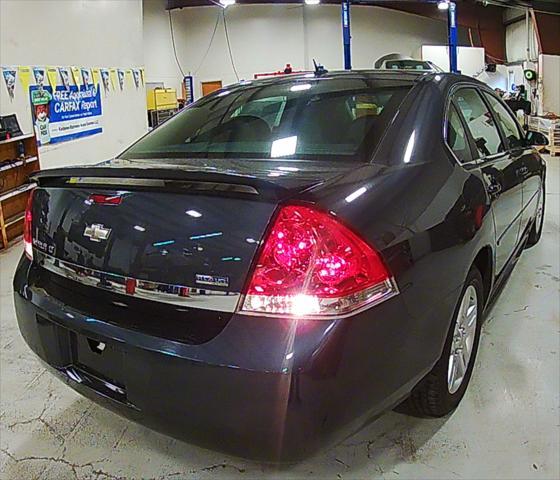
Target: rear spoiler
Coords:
[[168, 179]]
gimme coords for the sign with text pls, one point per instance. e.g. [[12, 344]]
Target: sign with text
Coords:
[[65, 113]]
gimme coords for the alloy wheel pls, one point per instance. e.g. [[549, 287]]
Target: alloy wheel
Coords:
[[464, 335]]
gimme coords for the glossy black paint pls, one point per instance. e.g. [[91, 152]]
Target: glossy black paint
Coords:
[[270, 387]]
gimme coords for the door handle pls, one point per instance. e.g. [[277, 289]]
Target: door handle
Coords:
[[521, 172]]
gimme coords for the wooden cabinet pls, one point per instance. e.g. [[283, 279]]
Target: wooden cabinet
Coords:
[[14, 183]]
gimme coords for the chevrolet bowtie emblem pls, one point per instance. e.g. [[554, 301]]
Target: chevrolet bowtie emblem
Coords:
[[97, 232]]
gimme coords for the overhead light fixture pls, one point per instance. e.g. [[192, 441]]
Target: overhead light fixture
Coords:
[[312, 2], [443, 5], [226, 3]]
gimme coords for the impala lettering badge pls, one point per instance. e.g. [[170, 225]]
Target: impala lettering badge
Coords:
[[212, 280], [97, 232]]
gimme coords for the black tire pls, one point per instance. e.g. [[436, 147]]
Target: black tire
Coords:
[[537, 228], [432, 397]]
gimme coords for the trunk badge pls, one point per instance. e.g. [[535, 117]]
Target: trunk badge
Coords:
[[216, 280], [97, 232]]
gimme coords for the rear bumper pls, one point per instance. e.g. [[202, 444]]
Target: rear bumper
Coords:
[[262, 388]]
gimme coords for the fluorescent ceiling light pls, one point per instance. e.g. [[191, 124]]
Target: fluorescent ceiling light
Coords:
[[312, 2], [283, 147], [443, 5], [193, 213], [227, 3]]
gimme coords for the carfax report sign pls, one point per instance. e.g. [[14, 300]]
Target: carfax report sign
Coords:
[[65, 114]]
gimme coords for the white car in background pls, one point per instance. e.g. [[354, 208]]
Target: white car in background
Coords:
[[395, 61]]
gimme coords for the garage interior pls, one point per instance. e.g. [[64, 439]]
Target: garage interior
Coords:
[[149, 59]]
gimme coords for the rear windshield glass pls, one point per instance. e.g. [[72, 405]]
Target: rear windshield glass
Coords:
[[307, 119], [407, 65]]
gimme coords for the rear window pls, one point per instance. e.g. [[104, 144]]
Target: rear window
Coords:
[[408, 65], [304, 119]]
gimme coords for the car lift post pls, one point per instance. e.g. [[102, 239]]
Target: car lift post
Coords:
[[452, 30], [346, 34]]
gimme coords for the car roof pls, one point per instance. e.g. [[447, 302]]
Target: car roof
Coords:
[[397, 76]]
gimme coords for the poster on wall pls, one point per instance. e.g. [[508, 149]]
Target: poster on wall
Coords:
[[65, 113]]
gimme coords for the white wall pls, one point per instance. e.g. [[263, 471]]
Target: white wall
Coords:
[[516, 41], [549, 66], [102, 33], [266, 37]]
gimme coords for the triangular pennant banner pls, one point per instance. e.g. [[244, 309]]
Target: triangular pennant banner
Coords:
[[52, 76], [96, 74], [77, 75], [24, 74]]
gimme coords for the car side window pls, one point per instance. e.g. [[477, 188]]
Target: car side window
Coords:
[[457, 136], [480, 122], [514, 139]]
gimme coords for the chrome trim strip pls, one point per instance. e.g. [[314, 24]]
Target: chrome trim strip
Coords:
[[181, 295]]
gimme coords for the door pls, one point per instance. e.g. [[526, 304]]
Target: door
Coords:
[[530, 167], [499, 169], [209, 87]]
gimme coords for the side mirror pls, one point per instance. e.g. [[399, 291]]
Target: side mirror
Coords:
[[536, 138]]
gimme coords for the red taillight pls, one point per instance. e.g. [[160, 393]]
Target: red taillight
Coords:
[[99, 199], [27, 227], [312, 265]]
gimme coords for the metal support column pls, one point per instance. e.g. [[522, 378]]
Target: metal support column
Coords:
[[452, 31], [346, 34]]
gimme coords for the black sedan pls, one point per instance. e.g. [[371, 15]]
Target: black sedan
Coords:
[[285, 259]]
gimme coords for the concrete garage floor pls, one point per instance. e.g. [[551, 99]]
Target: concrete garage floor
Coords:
[[508, 425]]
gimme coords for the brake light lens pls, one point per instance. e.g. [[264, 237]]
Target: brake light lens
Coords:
[[27, 227], [311, 265], [99, 199]]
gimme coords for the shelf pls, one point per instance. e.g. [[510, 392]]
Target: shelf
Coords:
[[17, 191], [18, 163], [15, 219], [17, 139]]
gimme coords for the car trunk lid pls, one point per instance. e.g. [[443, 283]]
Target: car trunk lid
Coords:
[[165, 225]]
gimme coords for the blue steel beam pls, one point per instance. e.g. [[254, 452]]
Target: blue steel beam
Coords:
[[346, 34], [452, 31]]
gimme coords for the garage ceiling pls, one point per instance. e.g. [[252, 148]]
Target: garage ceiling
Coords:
[[483, 18], [550, 6]]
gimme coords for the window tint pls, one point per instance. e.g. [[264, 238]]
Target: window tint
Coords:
[[507, 123], [479, 121], [306, 119], [457, 137]]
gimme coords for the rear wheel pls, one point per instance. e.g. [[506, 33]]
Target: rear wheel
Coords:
[[442, 389], [536, 229]]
